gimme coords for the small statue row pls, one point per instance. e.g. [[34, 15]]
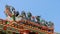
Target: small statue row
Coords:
[[16, 16]]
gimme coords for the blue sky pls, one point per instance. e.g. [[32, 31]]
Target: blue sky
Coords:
[[47, 9]]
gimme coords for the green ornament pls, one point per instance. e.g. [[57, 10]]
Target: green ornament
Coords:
[[7, 22], [13, 17]]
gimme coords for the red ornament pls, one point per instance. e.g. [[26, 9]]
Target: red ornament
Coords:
[[33, 17], [4, 27]]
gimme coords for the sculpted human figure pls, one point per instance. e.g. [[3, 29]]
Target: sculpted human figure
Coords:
[[29, 15]]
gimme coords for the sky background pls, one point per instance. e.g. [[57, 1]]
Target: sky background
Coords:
[[47, 9]]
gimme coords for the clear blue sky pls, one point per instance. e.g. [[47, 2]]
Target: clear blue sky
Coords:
[[47, 9]]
